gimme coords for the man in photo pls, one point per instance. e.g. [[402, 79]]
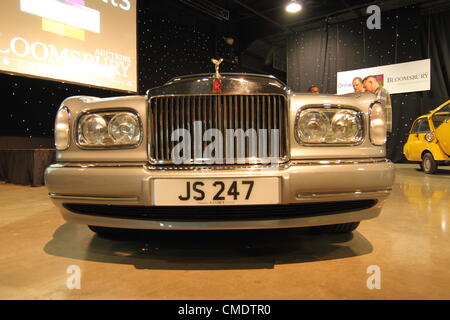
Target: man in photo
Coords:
[[314, 89], [371, 84]]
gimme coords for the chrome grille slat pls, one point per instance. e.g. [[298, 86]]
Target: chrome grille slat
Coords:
[[269, 125], [241, 116], [172, 127], [260, 111], [280, 123], [261, 107], [160, 129], [188, 114], [247, 123], [153, 137], [203, 106], [197, 117]]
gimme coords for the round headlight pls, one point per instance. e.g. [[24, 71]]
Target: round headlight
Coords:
[[94, 129], [124, 129], [429, 136], [346, 126], [313, 127]]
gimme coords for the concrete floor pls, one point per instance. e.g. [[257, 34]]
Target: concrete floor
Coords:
[[409, 242]]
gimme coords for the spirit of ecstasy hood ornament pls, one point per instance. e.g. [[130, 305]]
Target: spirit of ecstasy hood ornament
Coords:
[[217, 63]]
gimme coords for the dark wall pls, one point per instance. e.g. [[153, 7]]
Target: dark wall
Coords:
[[315, 56], [175, 41], [172, 41]]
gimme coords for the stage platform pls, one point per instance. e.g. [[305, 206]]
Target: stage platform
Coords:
[[23, 160]]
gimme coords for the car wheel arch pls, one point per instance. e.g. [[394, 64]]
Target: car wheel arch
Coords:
[[424, 152]]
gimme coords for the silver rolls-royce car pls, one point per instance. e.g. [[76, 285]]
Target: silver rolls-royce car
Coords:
[[221, 151]]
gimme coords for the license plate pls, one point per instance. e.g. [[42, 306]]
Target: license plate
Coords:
[[221, 191]]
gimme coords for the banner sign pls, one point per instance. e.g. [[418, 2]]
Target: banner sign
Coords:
[[89, 42], [396, 78]]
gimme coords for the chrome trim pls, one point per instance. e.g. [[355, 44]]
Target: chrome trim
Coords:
[[286, 165], [91, 197], [281, 166], [359, 113], [230, 84], [254, 161], [339, 161], [109, 110], [217, 94], [346, 195], [98, 165], [229, 74], [157, 144]]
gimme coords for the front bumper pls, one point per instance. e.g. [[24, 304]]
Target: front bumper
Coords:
[[301, 182]]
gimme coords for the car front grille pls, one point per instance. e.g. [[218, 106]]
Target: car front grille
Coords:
[[218, 213], [262, 113]]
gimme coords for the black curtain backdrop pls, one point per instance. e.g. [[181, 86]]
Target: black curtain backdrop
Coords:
[[315, 56], [172, 44]]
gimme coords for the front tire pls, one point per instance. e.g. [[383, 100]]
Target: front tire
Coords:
[[429, 165], [337, 228]]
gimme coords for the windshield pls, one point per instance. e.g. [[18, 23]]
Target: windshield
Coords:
[[442, 116]]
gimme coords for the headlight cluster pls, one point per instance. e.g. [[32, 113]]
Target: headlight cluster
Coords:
[[329, 126], [109, 129]]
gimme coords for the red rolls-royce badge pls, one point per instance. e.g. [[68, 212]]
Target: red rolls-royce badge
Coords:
[[217, 86]]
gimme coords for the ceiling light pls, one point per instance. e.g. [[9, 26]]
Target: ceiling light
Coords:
[[228, 40], [293, 7]]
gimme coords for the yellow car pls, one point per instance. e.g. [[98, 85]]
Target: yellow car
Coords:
[[429, 139]]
